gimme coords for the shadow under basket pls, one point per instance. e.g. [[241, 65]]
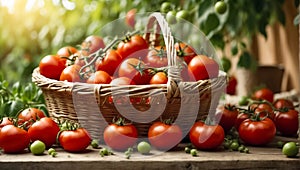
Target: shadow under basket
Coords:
[[95, 106]]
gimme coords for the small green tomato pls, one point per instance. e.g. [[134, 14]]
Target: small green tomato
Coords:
[[37, 147]]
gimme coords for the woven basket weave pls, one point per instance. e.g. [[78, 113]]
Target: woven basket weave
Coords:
[[96, 105]]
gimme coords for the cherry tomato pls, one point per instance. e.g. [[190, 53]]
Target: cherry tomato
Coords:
[[263, 94], [71, 74], [143, 147], [157, 57], [13, 139], [203, 67], [130, 18], [159, 78], [51, 66], [120, 137], [66, 51], [164, 136], [99, 77], [283, 103], [29, 116], [74, 140], [185, 51], [257, 132], [182, 15], [228, 115], [109, 63], [206, 137], [91, 44], [135, 46], [287, 122], [44, 130], [220, 7], [122, 81], [231, 86], [165, 7], [290, 149], [37, 147]]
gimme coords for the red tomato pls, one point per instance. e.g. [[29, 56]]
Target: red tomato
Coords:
[[134, 69], [29, 116], [231, 86], [159, 78], [92, 44], [130, 18], [283, 103], [44, 130], [264, 109], [228, 115], [66, 51], [13, 139], [205, 136], [185, 51], [164, 136], [51, 66], [5, 121], [257, 132], [122, 81], [203, 67], [109, 63], [135, 46], [71, 74], [240, 118], [99, 77], [264, 94], [74, 140], [120, 137], [287, 122], [157, 57]]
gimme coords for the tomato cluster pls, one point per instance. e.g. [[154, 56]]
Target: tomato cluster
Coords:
[[32, 125], [131, 57]]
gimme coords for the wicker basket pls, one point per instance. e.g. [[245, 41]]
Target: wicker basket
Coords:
[[96, 105]]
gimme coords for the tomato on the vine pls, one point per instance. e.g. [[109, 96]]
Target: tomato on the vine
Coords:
[[264, 109], [91, 44], [184, 51], [240, 118], [164, 136], [74, 140], [264, 94], [134, 46], [283, 103], [13, 139], [99, 77], [71, 74], [203, 67], [45, 130], [120, 136], [66, 51], [157, 57], [205, 136], [257, 132], [287, 122], [228, 115], [5, 121], [159, 78], [51, 66], [109, 63], [29, 116]]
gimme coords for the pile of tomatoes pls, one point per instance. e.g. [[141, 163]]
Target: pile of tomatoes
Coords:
[[124, 61]]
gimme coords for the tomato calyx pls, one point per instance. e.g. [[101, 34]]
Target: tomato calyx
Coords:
[[120, 122], [181, 53], [127, 36], [230, 107]]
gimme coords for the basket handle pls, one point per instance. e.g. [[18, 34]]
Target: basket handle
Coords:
[[173, 69]]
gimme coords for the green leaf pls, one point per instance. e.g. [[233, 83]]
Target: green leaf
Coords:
[[218, 41], [247, 61], [212, 22], [204, 6], [15, 107]]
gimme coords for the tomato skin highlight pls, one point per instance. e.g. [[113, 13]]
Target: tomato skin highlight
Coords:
[[257, 133], [287, 122], [206, 137], [51, 66], [74, 140], [164, 136], [120, 137], [203, 67], [159, 78], [13, 139]]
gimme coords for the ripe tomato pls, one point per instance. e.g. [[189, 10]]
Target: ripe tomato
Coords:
[[109, 63], [157, 57], [231, 86], [164, 136], [119, 136], [122, 81], [205, 136], [134, 69], [263, 94], [130, 18], [13, 139], [185, 51], [240, 118], [283, 103], [29, 116], [51, 66], [135, 46], [203, 67], [44, 130], [74, 140], [66, 51], [99, 77], [5, 121], [71, 74], [91, 44], [257, 132], [228, 115], [159, 78], [264, 109], [287, 122]]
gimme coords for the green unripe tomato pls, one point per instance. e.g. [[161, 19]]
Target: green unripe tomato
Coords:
[[182, 15], [37, 147], [171, 17], [290, 149], [144, 147], [165, 7], [220, 7]]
